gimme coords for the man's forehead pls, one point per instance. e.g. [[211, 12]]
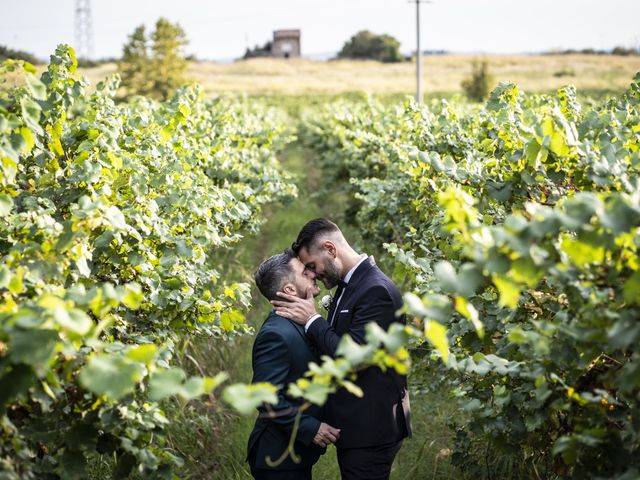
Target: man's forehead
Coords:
[[297, 264], [304, 255]]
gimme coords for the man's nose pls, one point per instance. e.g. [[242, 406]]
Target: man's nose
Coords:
[[311, 274]]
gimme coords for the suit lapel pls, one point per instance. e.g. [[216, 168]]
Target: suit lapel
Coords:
[[300, 330], [357, 277], [334, 303], [305, 339], [361, 271], [286, 323]]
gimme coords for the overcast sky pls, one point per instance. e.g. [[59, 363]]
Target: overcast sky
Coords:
[[222, 29]]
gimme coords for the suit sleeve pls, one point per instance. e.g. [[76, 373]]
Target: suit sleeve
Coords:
[[377, 306], [271, 363]]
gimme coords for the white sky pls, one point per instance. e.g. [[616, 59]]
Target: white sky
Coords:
[[220, 29]]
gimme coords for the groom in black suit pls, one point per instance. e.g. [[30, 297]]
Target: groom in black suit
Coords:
[[281, 354], [371, 427]]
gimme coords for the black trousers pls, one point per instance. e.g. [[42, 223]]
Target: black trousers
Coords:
[[264, 474], [370, 463]]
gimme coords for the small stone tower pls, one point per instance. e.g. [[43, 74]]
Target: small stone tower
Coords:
[[286, 44]]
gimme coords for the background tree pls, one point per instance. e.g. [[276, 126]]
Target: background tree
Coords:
[[9, 53], [258, 51], [134, 66], [619, 50], [154, 67], [168, 59], [478, 85], [368, 45]]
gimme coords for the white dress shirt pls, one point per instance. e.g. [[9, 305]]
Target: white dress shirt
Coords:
[[347, 277]]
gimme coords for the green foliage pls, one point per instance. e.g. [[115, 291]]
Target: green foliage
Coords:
[[167, 60], [617, 50], [516, 227], [382, 349], [258, 51], [625, 51], [112, 217], [7, 53], [155, 66], [135, 63], [365, 45], [478, 85], [565, 72]]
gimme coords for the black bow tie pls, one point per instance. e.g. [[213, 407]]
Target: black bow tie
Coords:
[[342, 284]]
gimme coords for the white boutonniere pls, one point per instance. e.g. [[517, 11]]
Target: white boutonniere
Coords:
[[325, 302]]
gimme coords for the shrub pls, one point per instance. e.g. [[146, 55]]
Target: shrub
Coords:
[[8, 53], [366, 45], [478, 86]]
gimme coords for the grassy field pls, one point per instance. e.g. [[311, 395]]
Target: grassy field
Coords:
[[442, 74]]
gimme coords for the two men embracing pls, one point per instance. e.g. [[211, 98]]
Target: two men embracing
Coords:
[[367, 431]]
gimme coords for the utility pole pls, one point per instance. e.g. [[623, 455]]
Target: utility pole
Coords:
[[419, 94], [84, 29]]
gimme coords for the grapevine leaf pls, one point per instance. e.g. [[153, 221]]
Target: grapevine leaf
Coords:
[[111, 375], [246, 398]]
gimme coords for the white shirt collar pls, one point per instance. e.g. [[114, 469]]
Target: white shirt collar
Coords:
[[348, 276]]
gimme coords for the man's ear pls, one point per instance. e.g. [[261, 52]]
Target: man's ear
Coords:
[[289, 289], [330, 248]]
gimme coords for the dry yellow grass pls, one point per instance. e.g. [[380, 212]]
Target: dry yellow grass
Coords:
[[441, 74]]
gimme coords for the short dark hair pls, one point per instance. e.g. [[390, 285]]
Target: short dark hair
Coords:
[[311, 231], [273, 272]]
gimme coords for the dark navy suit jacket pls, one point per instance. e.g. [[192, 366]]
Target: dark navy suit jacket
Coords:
[[376, 418], [281, 354]]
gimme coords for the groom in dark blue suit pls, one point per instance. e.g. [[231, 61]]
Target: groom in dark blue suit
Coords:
[[281, 354]]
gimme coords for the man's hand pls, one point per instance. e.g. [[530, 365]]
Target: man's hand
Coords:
[[326, 435], [300, 310]]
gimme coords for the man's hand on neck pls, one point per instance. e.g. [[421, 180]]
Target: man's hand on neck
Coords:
[[300, 310]]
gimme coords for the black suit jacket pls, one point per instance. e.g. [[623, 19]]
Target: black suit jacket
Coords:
[[281, 354], [377, 417]]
